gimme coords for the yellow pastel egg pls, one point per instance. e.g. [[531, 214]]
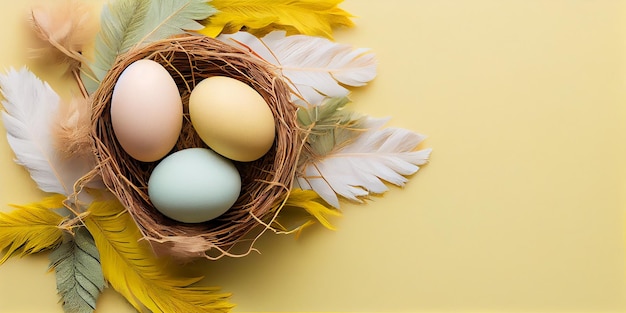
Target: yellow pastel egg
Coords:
[[232, 118], [146, 111]]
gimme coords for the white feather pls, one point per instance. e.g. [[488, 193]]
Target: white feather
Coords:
[[316, 67], [30, 108], [378, 155]]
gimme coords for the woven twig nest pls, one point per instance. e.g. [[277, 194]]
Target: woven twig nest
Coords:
[[265, 182]]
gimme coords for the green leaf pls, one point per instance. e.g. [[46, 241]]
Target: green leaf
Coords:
[[78, 272], [330, 127], [126, 24]]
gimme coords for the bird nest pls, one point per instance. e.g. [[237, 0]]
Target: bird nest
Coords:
[[265, 182]]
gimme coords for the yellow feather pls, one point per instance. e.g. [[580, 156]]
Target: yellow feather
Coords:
[[31, 228], [308, 17], [301, 228], [311, 202], [132, 269]]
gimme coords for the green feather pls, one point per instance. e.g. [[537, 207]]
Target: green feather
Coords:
[[119, 21], [78, 272], [330, 126], [166, 18], [127, 24]]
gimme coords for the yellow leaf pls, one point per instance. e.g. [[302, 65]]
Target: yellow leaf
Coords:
[[311, 202], [131, 268], [308, 17], [31, 228]]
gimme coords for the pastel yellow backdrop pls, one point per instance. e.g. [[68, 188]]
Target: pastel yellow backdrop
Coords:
[[521, 208]]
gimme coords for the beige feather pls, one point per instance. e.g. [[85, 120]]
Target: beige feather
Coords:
[[64, 29], [71, 130]]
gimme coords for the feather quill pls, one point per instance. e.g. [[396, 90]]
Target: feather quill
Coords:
[[315, 67], [31, 228], [30, 109], [64, 30], [131, 268], [354, 162], [134, 23], [309, 17], [79, 277]]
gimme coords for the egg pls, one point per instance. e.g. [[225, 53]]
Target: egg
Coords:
[[194, 185], [146, 111], [232, 118]]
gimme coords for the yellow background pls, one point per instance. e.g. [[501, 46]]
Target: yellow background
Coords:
[[521, 208]]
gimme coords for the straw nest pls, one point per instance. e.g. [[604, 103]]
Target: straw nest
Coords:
[[265, 182]]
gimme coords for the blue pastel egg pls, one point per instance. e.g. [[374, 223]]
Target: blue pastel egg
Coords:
[[194, 185]]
